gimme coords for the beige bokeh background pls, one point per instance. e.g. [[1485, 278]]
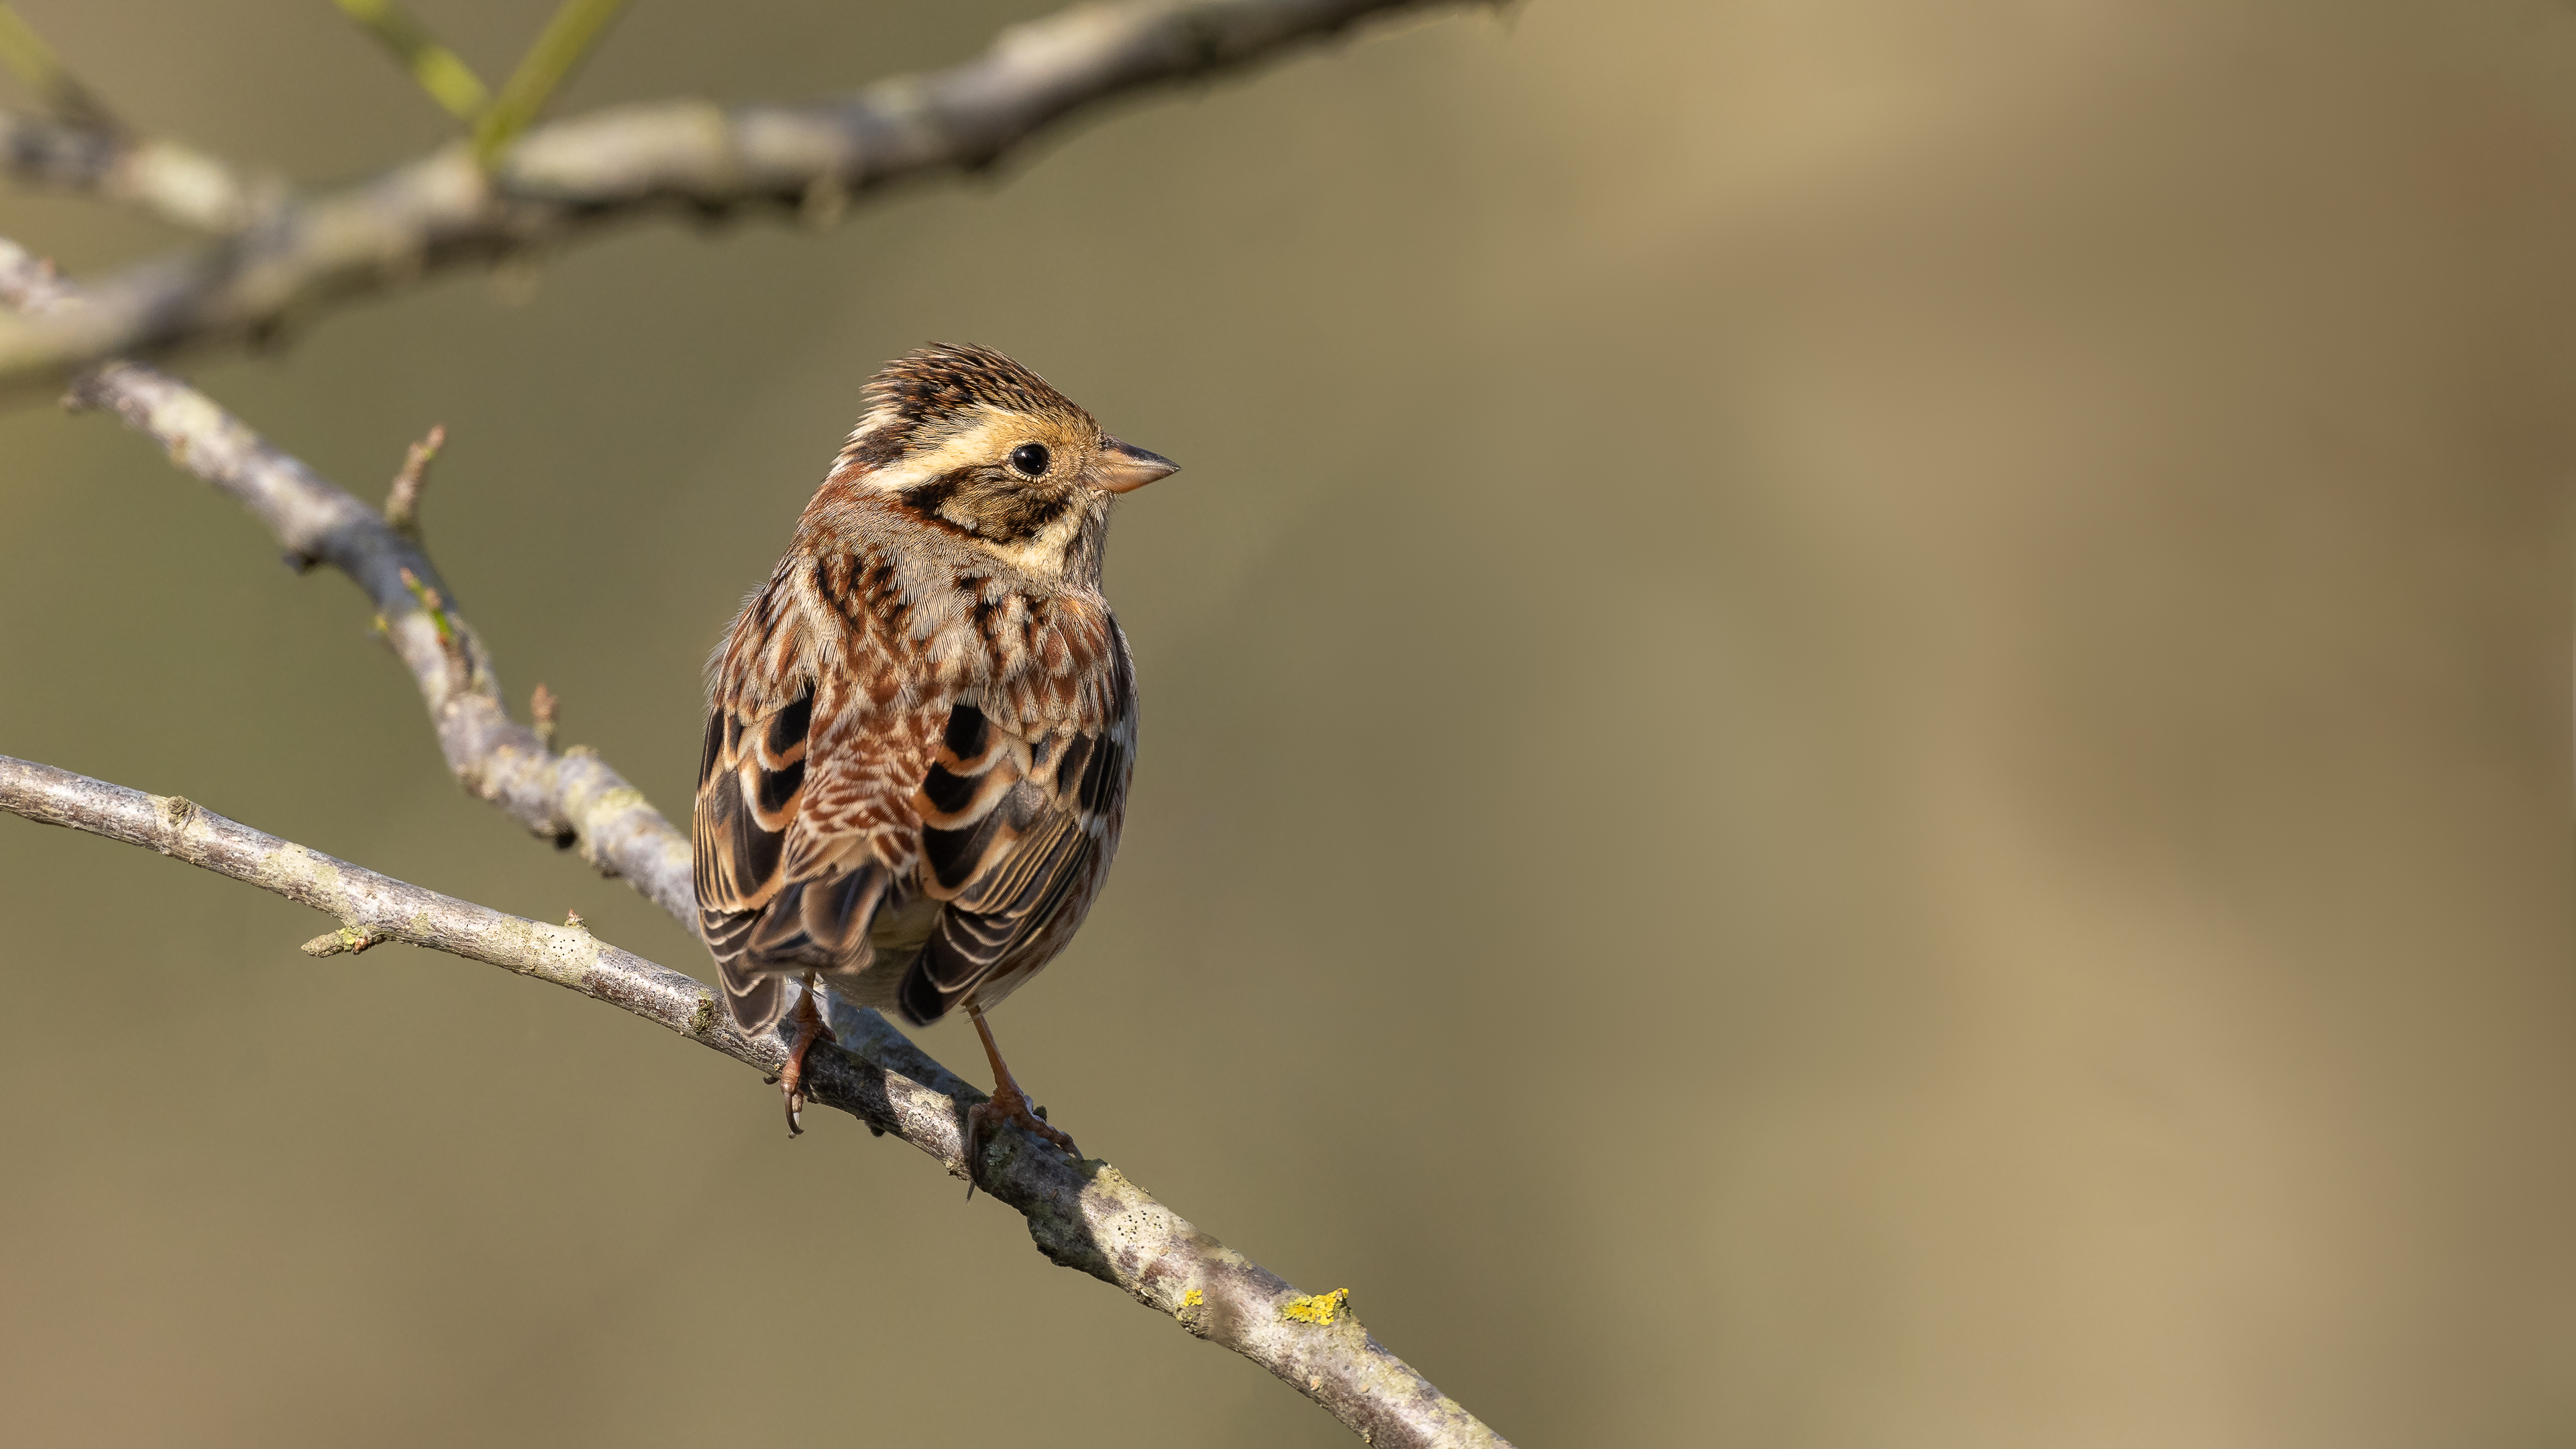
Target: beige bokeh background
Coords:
[[1857, 733]]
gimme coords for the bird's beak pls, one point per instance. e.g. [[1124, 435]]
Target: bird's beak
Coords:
[[1123, 467]]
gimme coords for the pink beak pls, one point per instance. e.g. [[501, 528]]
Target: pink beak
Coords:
[[1124, 468]]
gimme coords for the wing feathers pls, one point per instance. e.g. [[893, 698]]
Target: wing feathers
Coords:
[[848, 825], [971, 944]]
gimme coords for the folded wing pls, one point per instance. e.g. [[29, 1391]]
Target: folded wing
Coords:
[[915, 850]]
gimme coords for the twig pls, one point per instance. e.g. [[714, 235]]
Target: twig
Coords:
[[1084, 1215], [571, 798], [402, 501], [174, 182], [451, 642], [348, 940], [81, 146], [690, 157], [542, 706]]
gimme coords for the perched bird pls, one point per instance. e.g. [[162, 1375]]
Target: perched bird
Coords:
[[919, 734]]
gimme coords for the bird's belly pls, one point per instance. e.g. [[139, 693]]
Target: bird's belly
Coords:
[[895, 937]]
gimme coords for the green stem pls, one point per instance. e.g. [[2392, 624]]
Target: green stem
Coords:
[[440, 71], [25, 52], [568, 38]]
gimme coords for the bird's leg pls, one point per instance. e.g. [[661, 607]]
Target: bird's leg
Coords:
[[1009, 1103], [810, 1029]]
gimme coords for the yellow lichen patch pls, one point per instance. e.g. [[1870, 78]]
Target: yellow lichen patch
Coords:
[[1322, 1308], [624, 797], [1192, 1299]]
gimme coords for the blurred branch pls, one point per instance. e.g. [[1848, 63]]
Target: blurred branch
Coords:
[[79, 145], [557, 53], [440, 71], [177, 183], [1083, 1215], [402, 501], [690, 157]]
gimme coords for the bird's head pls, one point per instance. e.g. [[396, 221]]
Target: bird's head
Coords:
[[971, 442]]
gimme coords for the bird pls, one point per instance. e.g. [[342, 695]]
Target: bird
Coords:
[[920, 732]]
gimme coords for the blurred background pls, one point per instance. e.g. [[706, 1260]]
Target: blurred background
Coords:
[[1856, 733]]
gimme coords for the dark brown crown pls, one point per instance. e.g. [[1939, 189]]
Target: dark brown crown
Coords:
[[941, 380]]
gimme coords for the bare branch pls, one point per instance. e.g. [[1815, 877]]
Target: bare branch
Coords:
[[685, 156], [402, 501], [81, 146], [569, 798], [174, 182], [1084, 1215]]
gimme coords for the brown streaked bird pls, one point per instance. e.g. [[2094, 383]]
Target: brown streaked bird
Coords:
[[919, 734]]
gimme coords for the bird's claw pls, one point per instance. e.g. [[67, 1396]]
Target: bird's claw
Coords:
[[1008, 1106], [793, 1091], [791, 1076]]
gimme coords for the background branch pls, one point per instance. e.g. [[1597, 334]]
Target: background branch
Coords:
[[577, 174], [80, 145], [177, 183]]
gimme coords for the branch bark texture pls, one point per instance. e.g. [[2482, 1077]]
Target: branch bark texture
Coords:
[[692, 157]]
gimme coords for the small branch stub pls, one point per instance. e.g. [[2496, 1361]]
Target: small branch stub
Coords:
[[402, 504], [541, 709], [346, 941]]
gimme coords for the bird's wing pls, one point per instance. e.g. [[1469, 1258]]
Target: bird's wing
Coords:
[[803, 825], [827, 794], [1015, 834]]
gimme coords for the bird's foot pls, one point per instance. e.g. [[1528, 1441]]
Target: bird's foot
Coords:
[[791, 1077], [1008, 1105]]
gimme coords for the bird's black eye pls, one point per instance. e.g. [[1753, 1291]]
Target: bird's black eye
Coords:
[[1030, 458]]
